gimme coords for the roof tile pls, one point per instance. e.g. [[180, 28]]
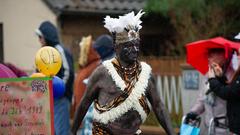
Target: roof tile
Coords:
[[97, 5]]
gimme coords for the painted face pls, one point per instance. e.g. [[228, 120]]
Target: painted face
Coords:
[[129, 51]]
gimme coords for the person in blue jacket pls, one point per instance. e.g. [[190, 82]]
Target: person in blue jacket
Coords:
[[48, 36]]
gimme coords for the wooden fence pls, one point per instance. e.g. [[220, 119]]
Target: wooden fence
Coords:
[[168, 74], [165, 65]]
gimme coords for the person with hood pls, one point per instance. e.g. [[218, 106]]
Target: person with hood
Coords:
[[48, 36], [88, 60]]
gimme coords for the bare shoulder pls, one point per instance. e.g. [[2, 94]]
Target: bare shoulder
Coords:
[[99, 72], [97, 76]]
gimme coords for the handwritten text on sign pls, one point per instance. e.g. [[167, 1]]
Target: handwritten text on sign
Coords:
[[25, 107]]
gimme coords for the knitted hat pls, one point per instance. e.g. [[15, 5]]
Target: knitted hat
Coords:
[[104, 46]]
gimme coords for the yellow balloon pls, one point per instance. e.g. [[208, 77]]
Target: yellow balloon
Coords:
[[48, 61], [34, 75]]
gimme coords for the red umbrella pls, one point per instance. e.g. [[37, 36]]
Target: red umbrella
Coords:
[[5, 72], [197, 51]]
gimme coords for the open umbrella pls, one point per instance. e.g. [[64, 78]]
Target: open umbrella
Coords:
[[5, 72], [197, 52]]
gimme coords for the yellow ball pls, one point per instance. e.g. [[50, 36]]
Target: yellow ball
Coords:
[[34, 75], [48, 61]]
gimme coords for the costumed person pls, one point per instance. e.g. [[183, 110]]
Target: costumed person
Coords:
[[210, 105], [88, 61], [122, 88], [48, 36], [229, 92]]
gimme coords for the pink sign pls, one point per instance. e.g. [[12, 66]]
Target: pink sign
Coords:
[[26, 106]]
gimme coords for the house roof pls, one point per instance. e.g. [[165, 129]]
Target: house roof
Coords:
[[95, 6]]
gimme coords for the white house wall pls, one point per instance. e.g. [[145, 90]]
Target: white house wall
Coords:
[[20, 18]]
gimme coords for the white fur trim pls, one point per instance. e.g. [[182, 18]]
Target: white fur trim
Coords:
[[132, 102], [116, 78]]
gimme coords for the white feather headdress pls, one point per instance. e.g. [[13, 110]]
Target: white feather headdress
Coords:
[[126, 27]]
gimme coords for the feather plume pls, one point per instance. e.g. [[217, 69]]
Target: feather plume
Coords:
[[128, 21]]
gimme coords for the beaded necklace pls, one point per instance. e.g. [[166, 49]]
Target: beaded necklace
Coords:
[[128, 74]]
